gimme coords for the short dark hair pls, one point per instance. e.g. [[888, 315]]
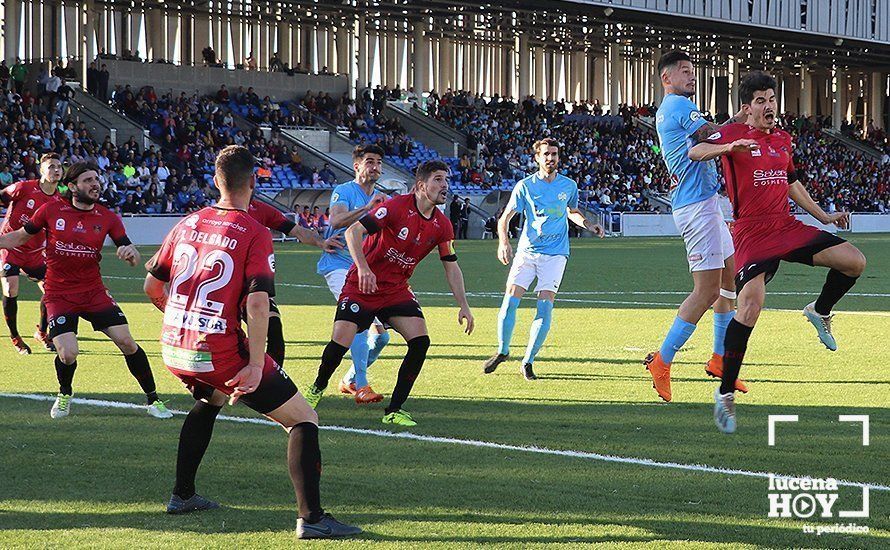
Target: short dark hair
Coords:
[[426, 169], [76, 170], [755, 81], [366, 149], [50, 156], [234, 166], [546, 142], [671, 58]]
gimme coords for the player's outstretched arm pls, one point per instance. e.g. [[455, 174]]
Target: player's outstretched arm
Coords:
[[580, 220], [343, 217], [455, 278], [156, 291], [367, 281], [310, 236], [248, 379], [505, 250], [14, 239], [802, 198], [709, 151]]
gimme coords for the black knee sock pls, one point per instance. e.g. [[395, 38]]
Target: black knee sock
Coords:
[[43, 321], [330, 360], [304, 465], [193, 440], [736, 342], [409, 371], [138, 364], [65, 374], [275, 341], [11, 313], [836, 285]]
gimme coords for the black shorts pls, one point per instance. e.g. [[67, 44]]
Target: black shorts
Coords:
[[275, 389], [101, 320], [362, 314], [36, 273], [803, 255], [273, 307]]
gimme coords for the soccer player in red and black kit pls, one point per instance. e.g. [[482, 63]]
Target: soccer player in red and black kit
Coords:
[[75, 232], [273, 219], [760, 177], [22, 199], [403, 231], [215, 269]]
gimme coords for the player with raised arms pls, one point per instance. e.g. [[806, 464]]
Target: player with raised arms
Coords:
[[351, 201], [22, 199], [697, 214], [75, 232], [547, 200], [403, 231], [759, 181], [213, 265], [275, 220]]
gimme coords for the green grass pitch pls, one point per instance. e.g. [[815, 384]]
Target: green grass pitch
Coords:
[[100, 478]]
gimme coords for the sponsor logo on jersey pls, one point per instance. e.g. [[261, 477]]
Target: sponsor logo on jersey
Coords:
[[755, 152], [403, 233], [97, 228], [715, 136], [30, 203], [563, 196], [60, 224], [763, 178], [192, 221], [79, 227], [694, 115], [381, 213], [191, 320], [272, 262], [335, 197], [354, 307], [75, 249], [400, 258]]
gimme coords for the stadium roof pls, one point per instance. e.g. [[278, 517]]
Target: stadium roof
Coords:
[[585, 25]]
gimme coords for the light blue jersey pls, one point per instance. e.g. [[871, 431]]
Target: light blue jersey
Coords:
[[543, 204], [352, 196], [677, 119]]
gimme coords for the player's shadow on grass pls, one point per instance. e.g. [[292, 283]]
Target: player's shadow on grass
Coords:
[[114, 460]]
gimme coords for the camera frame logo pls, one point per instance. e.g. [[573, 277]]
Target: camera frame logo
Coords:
[[807, 497]]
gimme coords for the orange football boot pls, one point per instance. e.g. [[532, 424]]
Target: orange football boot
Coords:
[[366, 395], [348, 390], [661, 374], [715, 369]]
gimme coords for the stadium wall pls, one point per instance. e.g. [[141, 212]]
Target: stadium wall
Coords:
[[207, 80]]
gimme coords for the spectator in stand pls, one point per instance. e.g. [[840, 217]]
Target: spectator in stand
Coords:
[[209, 56], [324, 220], [327, 175], [304, 220], [222, 95], [4, 76], [464, 217], [18, 73], [130, 205], [250, 62], [102, 83]]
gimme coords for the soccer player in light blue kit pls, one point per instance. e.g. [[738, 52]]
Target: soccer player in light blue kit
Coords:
[[349, 202], [696, 211], [547, 200]]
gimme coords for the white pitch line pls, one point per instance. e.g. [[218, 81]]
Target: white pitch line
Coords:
[[468, 443]]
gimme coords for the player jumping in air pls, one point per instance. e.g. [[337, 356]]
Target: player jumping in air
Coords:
[[213, 265], [760, 178], [403, 231], [75, 232], [709, 248], [350, 201], [547, 200], [273, 219], [22, 199]]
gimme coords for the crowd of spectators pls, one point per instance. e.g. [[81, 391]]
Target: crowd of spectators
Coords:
[[616, 164], [837, 177]]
